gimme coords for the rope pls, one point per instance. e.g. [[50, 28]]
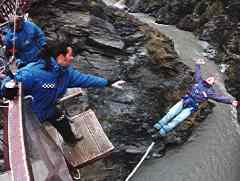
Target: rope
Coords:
[[2, 106], [140, 162], [78, 175], [14, 28]]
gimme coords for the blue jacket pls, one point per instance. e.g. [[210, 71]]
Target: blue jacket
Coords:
[[29, 41], [47, 87], [2, 85], [201, 91]]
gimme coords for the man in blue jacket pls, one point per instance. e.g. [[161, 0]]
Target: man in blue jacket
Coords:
[[200, 92], [29, 41], [47, 86]]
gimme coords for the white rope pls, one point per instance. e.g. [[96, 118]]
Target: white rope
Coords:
[[14, 28], [3, 106], [140, 162], [78, 176]]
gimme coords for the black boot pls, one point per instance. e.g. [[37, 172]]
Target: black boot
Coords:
[[64, 128]]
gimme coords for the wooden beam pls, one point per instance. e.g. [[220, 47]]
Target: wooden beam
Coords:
[[17, 152], [71, 92]]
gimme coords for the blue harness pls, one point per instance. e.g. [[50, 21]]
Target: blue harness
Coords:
[[189, 101]]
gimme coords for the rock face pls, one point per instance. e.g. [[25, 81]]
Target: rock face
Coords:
[[111, 44], [214, 21], [166, 12]]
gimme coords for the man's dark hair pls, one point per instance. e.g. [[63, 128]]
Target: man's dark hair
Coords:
[[20, 17], [19, 12], [45, 54], [59, 48], [53, 50]]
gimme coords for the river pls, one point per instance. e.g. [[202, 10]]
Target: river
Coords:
[[213, 151]]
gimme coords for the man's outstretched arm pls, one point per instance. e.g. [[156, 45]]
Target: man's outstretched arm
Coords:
[[78, 79], [222, 98], [198, 74]]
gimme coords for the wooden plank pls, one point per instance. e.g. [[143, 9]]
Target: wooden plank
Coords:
[[20, 169], [46, 158], [71, 93], [95, 144], [5, 139]]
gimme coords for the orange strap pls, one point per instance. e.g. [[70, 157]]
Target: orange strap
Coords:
[[12, 50]]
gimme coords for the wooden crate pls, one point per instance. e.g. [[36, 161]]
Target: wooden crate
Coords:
[[95, 144], [71, 93]]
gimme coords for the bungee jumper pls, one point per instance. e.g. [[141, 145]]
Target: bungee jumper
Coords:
[[201, 91]]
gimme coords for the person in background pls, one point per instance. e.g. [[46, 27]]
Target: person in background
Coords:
[[27, 43]]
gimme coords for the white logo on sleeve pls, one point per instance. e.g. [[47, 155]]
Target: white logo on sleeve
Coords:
[[48, 86], [27, 42]]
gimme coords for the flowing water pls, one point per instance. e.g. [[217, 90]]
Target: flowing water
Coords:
[[213, 151]]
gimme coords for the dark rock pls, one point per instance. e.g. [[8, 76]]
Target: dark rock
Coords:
[[216, 30], [104, 34], [173, 139], [188, 23], [133, 150], [166, 12]]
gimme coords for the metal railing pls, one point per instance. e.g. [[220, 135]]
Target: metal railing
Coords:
[[8, 6]]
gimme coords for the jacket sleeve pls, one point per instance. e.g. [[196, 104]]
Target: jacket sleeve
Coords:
[[8, 39], [40, 36], [2, 87], [78, 79], [25, 76], [198, 75], [219, 98]]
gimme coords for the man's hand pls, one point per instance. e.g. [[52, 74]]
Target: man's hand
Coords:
[[200, 61], [10, 90], [118, 84], [235, 103]]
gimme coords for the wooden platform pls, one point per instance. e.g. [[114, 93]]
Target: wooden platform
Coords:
[[45, 157], [71, 93], [19, 164], [95, 144]]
